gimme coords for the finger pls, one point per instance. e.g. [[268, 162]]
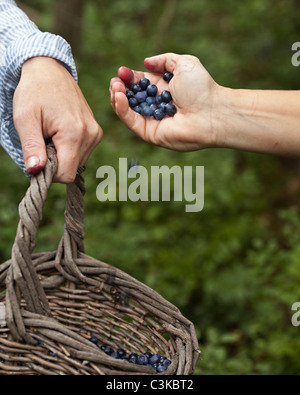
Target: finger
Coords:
[[116, 85], [94, 140], [129, 76], [130, 118], [33, 144], [143, 128], [74, 143], [162, 63]]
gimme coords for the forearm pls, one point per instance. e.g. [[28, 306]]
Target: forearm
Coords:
[[21, 40], [258, 121]]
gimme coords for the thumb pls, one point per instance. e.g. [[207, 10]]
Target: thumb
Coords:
[[33, 145], [162, 63]]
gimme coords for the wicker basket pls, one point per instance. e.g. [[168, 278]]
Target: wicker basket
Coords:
[[51, 303]]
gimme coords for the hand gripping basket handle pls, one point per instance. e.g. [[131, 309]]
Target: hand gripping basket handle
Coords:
[[22, 280]]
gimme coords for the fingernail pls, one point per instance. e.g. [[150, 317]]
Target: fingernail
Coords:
[[33, 165]]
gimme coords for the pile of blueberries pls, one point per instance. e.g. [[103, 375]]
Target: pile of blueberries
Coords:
[[155, 361], [144, 100]]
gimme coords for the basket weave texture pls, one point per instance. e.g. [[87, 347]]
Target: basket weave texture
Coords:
[[51, 303]]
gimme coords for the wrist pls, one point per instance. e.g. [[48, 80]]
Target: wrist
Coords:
[[237, 120]]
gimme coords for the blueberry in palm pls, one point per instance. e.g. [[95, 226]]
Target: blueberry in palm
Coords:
[[133, 102], [135, 88], [166, 96], [144, 83], [168, 76], [170, 110], [152, 90], [159, 114]]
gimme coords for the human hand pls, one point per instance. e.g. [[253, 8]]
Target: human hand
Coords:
[[48, 104], [193, 91]]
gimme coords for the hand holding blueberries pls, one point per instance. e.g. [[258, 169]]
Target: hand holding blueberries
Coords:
[[183, 85], [206, 114]]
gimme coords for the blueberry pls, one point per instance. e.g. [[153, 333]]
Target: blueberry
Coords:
[[161, 368], [166, 96], [159, 114], [94, 339], [108, 350], [168, 76], [166, 363], [142, 360], [147, 111], [141, 96], [170, 110], [163, 106], [135, 88], [115, 355], [155, 359], [158, 99], [154, 107], [129, 94], [150, 100], [144, 104], [152, 90], [148, 354], [125, 357], [133, 358], [133, 102], [137, 109], [144, 83], [121, 352]]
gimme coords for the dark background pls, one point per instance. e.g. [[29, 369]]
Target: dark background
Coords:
[[232, 269]]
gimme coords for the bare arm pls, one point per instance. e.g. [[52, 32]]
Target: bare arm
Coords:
[[259, 121]]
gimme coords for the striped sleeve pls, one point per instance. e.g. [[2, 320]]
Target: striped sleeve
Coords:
[[20, 40]]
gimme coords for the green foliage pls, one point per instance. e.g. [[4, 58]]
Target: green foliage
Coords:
[[232, 269]]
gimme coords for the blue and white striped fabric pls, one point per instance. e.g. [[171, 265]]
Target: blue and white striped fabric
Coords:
[[20, 40]]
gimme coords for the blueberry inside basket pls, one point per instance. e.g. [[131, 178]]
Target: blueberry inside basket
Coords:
[[53, 303]]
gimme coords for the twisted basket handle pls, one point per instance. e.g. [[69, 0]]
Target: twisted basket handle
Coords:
[[22, 280]]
